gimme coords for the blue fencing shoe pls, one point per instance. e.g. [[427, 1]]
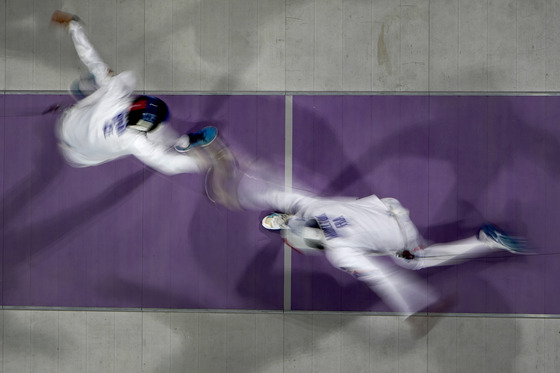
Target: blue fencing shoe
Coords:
[[496, 238], [83, 87], [201, 138]]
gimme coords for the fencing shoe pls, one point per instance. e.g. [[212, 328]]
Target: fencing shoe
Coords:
[[496, 238], [275, 221], [201, 138]]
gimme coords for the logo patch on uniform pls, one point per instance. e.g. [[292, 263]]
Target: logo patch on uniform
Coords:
[[326, 226], [117, 125], [340, 222]]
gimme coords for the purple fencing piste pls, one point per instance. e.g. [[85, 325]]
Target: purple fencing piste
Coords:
[[455, 162], [122, 235]]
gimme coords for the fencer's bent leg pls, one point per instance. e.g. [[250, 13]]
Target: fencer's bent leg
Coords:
[[398, 288]]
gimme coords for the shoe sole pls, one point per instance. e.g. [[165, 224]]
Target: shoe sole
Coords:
[[269, 226]]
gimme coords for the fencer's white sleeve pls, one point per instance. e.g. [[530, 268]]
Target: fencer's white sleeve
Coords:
[[162, 158], [122, 85], [260, 189], [88, 55], [289, 202], [257, 194]]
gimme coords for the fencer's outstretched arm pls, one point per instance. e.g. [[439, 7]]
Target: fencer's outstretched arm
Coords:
[[259, 190], [88, 55], [288, 202], [86, 52], [166, 160]]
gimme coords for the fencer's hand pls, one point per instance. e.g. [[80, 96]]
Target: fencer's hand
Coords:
[[62, 18]]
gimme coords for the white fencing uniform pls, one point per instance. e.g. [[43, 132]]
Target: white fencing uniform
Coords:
[[94, 130], [359, 232]]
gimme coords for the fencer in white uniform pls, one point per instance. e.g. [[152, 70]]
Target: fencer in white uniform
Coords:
[[99, 128], [356, 235]]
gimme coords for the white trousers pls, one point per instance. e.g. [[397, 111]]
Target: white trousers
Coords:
[[445, 254], [399, 288]]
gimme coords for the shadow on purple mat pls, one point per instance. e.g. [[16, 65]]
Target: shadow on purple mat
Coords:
[[455, 162], [505, 138], [67, 222]]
